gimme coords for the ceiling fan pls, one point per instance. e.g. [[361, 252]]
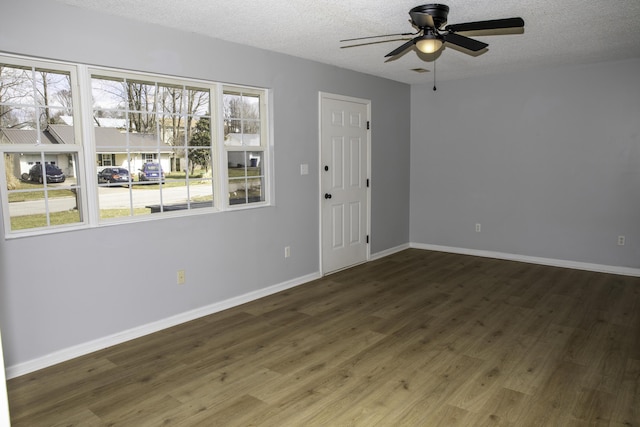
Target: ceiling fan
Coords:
[[430, 20]]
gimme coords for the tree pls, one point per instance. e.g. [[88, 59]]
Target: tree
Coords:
[[53, 91], [201, 138], [12, 181], [241, 114], [13, 82], [142, 107], [63, 97], [182, 106]]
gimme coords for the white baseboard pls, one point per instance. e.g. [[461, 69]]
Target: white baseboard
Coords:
[[600, 268], [388, 252], [120, 337]]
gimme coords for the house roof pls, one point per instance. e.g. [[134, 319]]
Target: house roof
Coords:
[[109, 140], [107, 122], [25, 137]]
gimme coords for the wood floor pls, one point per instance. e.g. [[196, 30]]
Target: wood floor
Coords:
[[418, 338]]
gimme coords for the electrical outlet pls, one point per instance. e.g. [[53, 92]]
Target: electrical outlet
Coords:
[[180, 277], [620, 240], [287, 251], [478, 228]]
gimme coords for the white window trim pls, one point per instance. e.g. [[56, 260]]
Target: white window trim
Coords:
[[266, 138], [85, 150], [77, 149]]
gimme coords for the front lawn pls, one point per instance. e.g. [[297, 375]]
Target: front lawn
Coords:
[[67, 217], [36, 195]]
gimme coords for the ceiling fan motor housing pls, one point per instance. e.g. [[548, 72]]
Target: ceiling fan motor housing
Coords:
[[429, 15]]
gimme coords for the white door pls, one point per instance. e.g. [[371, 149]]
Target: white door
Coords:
[[344, 169]]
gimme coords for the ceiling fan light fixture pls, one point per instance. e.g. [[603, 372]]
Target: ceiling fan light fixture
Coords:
[[429, 44]]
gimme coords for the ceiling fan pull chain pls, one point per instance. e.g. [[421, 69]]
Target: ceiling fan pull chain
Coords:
[[434, 75]]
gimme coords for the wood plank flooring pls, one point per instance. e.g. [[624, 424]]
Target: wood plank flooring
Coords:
[[418, 338]]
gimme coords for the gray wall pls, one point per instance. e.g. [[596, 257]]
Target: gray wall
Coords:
[[547, 161], [58, 291]]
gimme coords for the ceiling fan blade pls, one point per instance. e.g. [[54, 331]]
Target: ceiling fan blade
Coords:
[[368, 43], [382, 35], [486, 25], [401, 49], [465, 42]]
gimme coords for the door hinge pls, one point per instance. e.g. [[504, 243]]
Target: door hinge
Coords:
[[368, 125], [367, 182], [367, 238]]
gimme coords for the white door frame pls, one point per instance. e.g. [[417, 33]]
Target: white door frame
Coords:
[[367, 102]]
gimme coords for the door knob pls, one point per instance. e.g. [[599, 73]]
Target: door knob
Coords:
[[327, 196]]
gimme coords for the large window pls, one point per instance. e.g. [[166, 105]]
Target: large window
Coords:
[[41, 153], [159, 135], [244, 142], [139, 147]]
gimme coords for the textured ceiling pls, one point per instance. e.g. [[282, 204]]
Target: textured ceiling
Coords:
[[556, 31]]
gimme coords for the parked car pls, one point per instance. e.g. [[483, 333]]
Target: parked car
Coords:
[[114, 176], [53, 173], [151, 172]]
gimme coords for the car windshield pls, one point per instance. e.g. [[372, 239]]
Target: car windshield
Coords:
[[120, 171], [151, 167], [53, 169]]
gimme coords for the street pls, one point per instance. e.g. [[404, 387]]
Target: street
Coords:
[[115, 198]]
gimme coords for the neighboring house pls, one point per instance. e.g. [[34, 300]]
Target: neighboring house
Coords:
[[25, 161], [112, 145], [111, 149]]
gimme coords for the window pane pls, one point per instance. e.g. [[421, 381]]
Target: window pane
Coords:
[[10, 116], [108, 93], [110, 119], [200, 162], [232, 132], [42, 190], [245, 163], [199, 131], [198, 101], [172, 130], [33, 98], [17, 85], [141, 96], [171, 99], [232, 101], [142, 122], [146, 197], [197, 194], [53, 89], [246, 190], [201, 193], [241, 119], [117, 175], [254, 163], [246, 180]]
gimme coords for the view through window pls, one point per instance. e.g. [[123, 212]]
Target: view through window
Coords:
[[153, 140], [40, 171], [146, 145]]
